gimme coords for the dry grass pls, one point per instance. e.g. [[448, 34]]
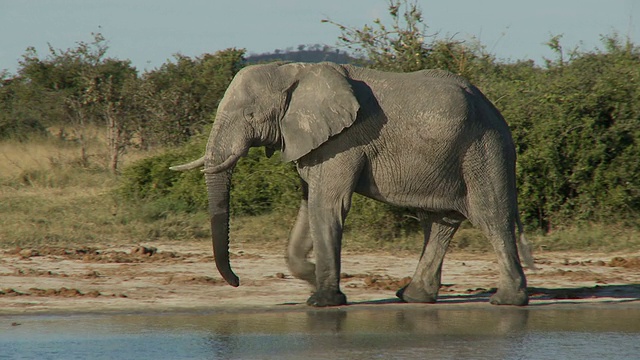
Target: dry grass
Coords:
[[75, 215], [37, 155], [48, 153], [48, 195]]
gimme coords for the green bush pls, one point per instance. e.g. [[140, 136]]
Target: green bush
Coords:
[[259, 184], [576, 125], [262, 184]]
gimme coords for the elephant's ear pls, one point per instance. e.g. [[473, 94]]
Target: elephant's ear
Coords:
[[320, 104]]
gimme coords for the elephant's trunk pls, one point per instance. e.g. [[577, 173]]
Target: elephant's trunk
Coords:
[[218, 186]]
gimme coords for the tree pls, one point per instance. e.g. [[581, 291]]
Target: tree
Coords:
[[86, 87], [575, 125], [114, 99], [403, 45], [182, 96], [21, 106]]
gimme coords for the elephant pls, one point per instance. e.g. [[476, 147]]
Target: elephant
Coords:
[[427, 140]]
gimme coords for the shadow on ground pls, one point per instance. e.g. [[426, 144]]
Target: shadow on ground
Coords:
[[545, 296]]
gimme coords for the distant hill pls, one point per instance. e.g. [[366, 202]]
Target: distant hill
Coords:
[[313, 54]]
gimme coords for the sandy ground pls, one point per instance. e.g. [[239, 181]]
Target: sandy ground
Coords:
[[170, 277]]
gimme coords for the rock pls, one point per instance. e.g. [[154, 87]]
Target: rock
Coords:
[[27, 253], [69, 292], [94, 293], [143, 250]]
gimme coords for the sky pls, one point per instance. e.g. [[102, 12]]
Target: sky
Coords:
[[150, 32]]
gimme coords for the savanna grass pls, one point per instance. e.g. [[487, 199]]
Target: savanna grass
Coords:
[[50, 196]]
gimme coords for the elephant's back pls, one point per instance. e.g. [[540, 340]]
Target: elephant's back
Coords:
[[430, 105], [430, 95]]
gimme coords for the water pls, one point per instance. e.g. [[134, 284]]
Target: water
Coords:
[[374, 332]]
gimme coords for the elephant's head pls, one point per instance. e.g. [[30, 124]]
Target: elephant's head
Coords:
[[289, 107]]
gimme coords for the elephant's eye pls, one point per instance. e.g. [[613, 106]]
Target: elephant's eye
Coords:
[[248, 114]]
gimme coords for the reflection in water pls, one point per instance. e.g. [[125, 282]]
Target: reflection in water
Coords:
[[398, 331]]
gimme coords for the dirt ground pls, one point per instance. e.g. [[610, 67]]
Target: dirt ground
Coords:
[[170, 277]]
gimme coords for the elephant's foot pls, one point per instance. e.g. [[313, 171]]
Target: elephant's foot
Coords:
[[517, 297], [414, 294], [327, 298]]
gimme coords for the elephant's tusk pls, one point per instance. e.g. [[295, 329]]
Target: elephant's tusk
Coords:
[[192, 165], [226, 165]]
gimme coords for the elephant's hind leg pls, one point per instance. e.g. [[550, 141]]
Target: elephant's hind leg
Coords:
[[512, 287], [300, 245], [498, 223], [438, 231]]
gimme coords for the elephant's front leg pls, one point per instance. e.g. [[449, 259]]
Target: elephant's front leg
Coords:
[[328, 207], [326, 230]]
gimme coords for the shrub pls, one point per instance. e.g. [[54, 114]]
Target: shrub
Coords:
[[259, 184], [575, 125], [151, 180]]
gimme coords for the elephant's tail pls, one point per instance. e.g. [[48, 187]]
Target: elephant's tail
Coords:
[[192, 165], [524, 247]]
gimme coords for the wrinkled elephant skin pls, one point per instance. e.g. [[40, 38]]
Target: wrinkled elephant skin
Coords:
[[427, 140]]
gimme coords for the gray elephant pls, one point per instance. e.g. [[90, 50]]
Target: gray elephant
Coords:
[[427, 140]]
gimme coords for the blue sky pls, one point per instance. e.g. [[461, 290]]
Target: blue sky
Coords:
[[149, 32]]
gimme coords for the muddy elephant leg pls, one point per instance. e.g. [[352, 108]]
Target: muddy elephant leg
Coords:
[[512, 286], [424, 286], [300, 245]]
